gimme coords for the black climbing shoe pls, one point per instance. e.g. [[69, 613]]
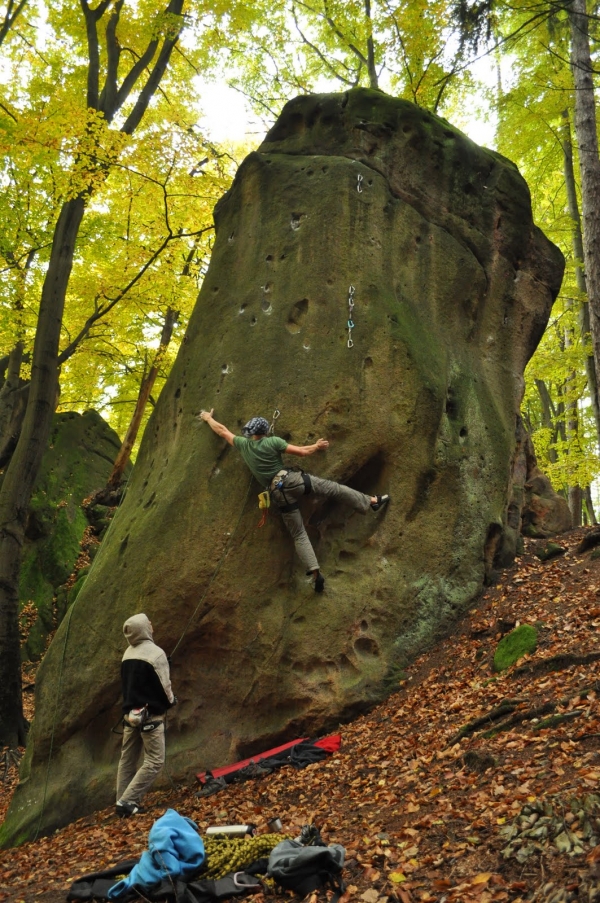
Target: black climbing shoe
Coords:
[[381, 502], [125, 810], [212, 785], [319, 583]]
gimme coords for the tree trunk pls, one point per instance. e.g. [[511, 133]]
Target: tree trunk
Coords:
[[22, 471], [575, 499], [548, 416], [589, 163], [11, 408], [577, 244], [373, 77], [589, 506], [146, 385]]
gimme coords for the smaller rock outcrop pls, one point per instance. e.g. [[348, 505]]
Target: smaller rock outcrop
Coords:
[[78, 461], [535, 509]]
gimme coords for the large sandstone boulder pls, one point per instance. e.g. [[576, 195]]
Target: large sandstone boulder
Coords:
[[453, 288], [77, 462]]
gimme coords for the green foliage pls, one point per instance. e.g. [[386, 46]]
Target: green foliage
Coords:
[[404, 46], [145, 239], [534, 100]]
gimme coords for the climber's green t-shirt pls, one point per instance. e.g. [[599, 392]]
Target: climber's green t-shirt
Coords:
[[263, 456]]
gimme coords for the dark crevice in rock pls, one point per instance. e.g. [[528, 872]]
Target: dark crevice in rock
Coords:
[[425, 481]]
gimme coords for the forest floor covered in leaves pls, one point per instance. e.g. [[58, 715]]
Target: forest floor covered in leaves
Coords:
[[463, 785]]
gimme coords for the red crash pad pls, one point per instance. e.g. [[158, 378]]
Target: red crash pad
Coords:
[[331, 744]]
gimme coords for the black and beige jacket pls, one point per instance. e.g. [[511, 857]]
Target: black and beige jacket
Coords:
[[145, 675]]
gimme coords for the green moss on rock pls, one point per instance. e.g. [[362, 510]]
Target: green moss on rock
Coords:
[[519, 642]]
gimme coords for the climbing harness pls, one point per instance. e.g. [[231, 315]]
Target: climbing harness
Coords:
[[359, 181], [350, 325], [276, 415]]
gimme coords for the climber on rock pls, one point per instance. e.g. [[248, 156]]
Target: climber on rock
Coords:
[[262, 453]]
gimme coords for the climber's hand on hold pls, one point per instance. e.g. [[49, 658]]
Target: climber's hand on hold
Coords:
[[219, 428], [322, 444]]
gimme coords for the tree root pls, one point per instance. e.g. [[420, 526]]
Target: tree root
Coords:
[[508, 706], [503, 708], [10, 757], [555, 663]]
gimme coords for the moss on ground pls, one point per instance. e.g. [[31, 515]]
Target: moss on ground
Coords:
[[519, 642]]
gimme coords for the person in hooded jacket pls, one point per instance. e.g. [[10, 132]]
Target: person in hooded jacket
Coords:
[[147, 694], [263, 455]]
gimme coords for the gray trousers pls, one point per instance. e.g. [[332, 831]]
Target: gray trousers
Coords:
[[133, 782], [293, 489]]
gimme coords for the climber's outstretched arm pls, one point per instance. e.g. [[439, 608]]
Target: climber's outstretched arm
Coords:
[[217, 427], [303, 450]]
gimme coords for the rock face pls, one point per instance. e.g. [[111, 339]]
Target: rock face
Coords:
[[78, 461], [453, 287]]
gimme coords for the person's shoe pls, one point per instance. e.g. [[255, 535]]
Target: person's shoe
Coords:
[[381, 502], [126, 810], [319, 583]]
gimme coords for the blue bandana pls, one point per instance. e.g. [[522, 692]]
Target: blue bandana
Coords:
[[257, 426]]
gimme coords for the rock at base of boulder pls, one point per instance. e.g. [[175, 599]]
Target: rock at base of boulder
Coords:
[[549, 550]]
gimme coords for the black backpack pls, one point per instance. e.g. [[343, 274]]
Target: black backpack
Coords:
[[303, 869]]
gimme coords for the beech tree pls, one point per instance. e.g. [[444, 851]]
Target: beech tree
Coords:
[[402, 46], [128, 49]]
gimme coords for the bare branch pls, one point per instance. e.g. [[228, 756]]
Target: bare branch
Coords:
[[12, 13]]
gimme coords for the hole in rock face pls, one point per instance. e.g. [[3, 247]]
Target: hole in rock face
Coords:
[[490, 549], [368, 363], [231, 237], [178, 393], [364, 625], [123, 545], [215, 289], [242, 308], [297, 316], [451, 404], [267, 287], [464, 432], [347, 554], [269, 257], [369, 476], [150, 500], [295, 220], [266, 306], [253, 321], [366, 645]]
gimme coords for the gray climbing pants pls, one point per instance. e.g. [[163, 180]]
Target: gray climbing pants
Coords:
[[293, 489], [133, 782]]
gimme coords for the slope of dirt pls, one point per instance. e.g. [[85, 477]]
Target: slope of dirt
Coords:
[[464, 785]]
